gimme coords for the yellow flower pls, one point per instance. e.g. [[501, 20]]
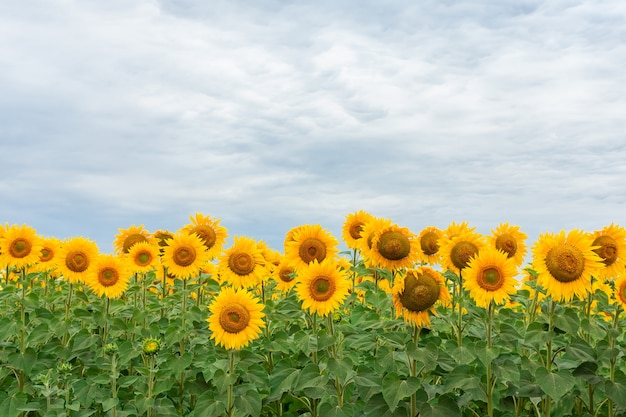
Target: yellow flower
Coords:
[[490, 276], [236, 318], [456, 252], [430, 239], [322, 287], [309, 243], [394, 248], [353, 226], [151, 346], [620, 290], [20, 246], [455, 229], [510, 240], [373, 226], [143, 257], [416, 293], [243, 265], [109, 276], [285, 276], [565, 263], [75, 258], [271, 256], [185, 255], [610, 245], [209, 230], [126, 238]]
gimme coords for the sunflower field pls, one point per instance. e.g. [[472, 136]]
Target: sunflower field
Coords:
[[444, 322]]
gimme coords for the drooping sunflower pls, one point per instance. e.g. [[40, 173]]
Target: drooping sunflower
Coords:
[[565, 263], [109, 276], [456, 252], [20, 246], [620, 290], [236, 318], [353, 227], [322, 287], [510, 240], [184, 255], [394, 247], [414, 295], [430, 239], [243, 265], [126, 238], [75, 258], [209, 230], [610, 245], [285, 276], [310, 243], [490, 276], [143, 257]]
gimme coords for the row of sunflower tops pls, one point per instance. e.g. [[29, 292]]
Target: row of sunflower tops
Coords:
[[565, 265]]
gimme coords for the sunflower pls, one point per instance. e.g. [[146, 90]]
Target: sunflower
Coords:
[[185, 255], [565, 263], [209, 230], [430, 239], [285, 276], [243, 265], [271, 256], [49, 249], [369, 231], [309, 243], [455, 229], [490, 276], [510, 240], [75, 258], [620, 290], [143, 257], [162, 237], [416, 293], [458, 251], [322, 287], [353, 226], [236, 318], [109, 276], [126, 238], [394, 248], [20, 246], [610, 245]]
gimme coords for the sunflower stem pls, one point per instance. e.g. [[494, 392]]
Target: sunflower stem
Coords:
[[231, 383], [460, 312], [163, 291], [413, 368], [152, 360], [548, 400], [613, 359], [105, 330], [68, 304], [183, 341], [489, 370]]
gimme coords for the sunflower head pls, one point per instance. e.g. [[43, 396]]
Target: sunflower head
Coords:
[[459, 250], [126, 238], [143, 257], [490, 276], [322, 287], [243, 264], [162, 237], [620, 290], [415, 294], [209, 231], [310, 243], [236, 318], [20, 246], [185, 255], [151, 346], [394, 248], [510, 240], [430, 239], [109, 276], [353, 227], [284, 275], [610, 246], [76, 258]]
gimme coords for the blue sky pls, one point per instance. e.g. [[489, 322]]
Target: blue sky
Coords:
[[271, 114]]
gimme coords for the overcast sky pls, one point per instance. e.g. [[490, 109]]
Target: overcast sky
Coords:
[[272, 114]]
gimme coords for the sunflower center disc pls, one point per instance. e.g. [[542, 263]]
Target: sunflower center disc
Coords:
[[207, 234], [143, 258], [394, 246], [429, 243], [234, 318], [184, 256], [565, 263], [419, 293], [286, 274], [322, 288], [46, 255], [77, 261], [355, 230], [20, 248], [507, 243], [461, 253], [241, 263], [490, 279], [607, 250], [131, 240], [312, 249], [108, 277]]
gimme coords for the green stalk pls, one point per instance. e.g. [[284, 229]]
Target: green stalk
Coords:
[[113, 377], [460, 313], [611, 346], [548, 400], [152, 360], [163, 291], [413, 368], [183, 341], [489, 370], [334, 353], [231, 371]]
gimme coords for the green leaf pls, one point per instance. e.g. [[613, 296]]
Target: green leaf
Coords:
[[10, 407], [446, 407], [110, 403], [395, 389], [463, 355], [554, 384], [180, 363], [282, 381], [617, 392], [250, 403], [587, 371], [310, 377]]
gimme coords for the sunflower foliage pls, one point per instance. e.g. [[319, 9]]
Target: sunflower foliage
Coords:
[[350, 337]]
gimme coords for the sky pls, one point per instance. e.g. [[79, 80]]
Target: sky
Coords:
[[272, 114]]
